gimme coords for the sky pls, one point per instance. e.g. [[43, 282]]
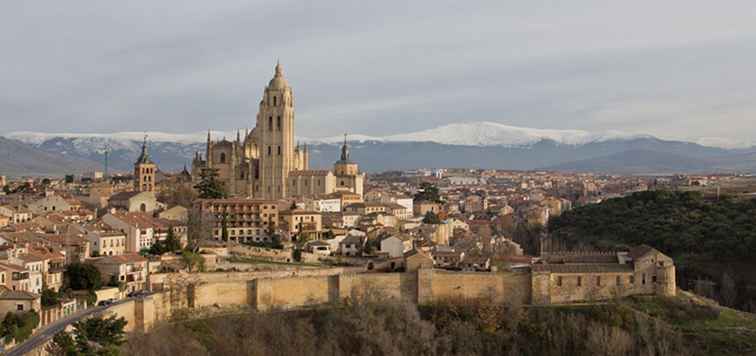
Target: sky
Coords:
[[679, 69]]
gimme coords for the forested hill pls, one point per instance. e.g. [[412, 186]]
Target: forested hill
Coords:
[[677, 223], [713, 242]]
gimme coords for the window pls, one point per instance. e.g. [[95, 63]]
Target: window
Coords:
[[598, 281], [270, 150], [653, 279], [279, 150], [222, 157], [619, 281], [270, 123], [580, 281], [559, 281], [278, 123], [275, 102], [632, 279], [20, 307], [643, 281]]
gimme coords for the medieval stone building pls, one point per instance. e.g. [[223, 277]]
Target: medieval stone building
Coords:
[[266, 163], [144, 171]]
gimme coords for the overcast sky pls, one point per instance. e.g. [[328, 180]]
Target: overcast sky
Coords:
[[674, 68]]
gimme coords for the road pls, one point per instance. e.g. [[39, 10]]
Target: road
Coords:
[[48, 331]]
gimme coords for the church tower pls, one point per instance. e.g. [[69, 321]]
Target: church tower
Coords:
[[144, 171], [347, 172], [275, 129]]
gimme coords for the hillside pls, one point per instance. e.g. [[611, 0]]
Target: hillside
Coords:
[[20, 159], [710, 240], [636, 326]]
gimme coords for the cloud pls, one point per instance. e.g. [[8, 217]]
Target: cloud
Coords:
[[673, 69]]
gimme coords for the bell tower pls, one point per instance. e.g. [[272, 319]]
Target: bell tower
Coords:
[[275, 129], [144, 171]]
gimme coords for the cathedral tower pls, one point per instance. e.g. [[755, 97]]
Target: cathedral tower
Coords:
[[144, 171], [275, 129]]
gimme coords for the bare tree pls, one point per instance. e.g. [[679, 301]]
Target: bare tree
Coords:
[[729, 290]]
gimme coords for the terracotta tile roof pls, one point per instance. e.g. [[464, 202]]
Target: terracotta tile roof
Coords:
[[125, 258], [640, 251], [8, 294]]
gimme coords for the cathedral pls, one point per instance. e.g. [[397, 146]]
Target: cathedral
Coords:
[[267, 164]]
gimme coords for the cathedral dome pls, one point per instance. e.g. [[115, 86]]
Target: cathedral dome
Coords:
[[278, 81]]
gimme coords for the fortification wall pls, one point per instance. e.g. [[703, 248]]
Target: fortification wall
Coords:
[[401, 286], [294, 291], [228, 293], [127, 311], [502, 287], [422, 286]]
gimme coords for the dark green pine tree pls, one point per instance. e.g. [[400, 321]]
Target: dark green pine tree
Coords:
[[209, 187]]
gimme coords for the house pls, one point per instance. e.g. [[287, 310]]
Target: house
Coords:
[[301, 221], [133, 202], [365, 208], [17, 301], [138, 227], [130, 269], [400, 211], [16, 277], [107, 243], [476, 263], [447, 257], [18, 213], [396, 245], [415, 260], [48, 204]]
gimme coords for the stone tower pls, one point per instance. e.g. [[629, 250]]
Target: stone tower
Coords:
[[275, 127], [144, 171], [347, 172]]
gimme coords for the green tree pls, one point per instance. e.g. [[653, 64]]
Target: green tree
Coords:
[[224, 227], [428, 192], [19, 326], [92, 336], [192, 261], [172, 243], [209, 187], [431, 218], [49, 297], [82, 276]]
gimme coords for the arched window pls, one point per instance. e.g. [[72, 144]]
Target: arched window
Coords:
[[222, 158], [279, 150], [278, 123], [143, 208], [270, 123]]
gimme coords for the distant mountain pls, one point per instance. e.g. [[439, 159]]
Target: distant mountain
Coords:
[[21, 159], [473, 145]]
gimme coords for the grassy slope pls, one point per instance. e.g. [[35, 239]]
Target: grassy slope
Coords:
[[731, 332]]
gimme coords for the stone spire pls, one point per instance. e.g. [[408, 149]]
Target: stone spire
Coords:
[[278, 81], [144, 157], [345, 150]]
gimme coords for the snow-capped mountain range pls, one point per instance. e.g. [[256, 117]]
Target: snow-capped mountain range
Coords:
[[462, 134], [473, 145]]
